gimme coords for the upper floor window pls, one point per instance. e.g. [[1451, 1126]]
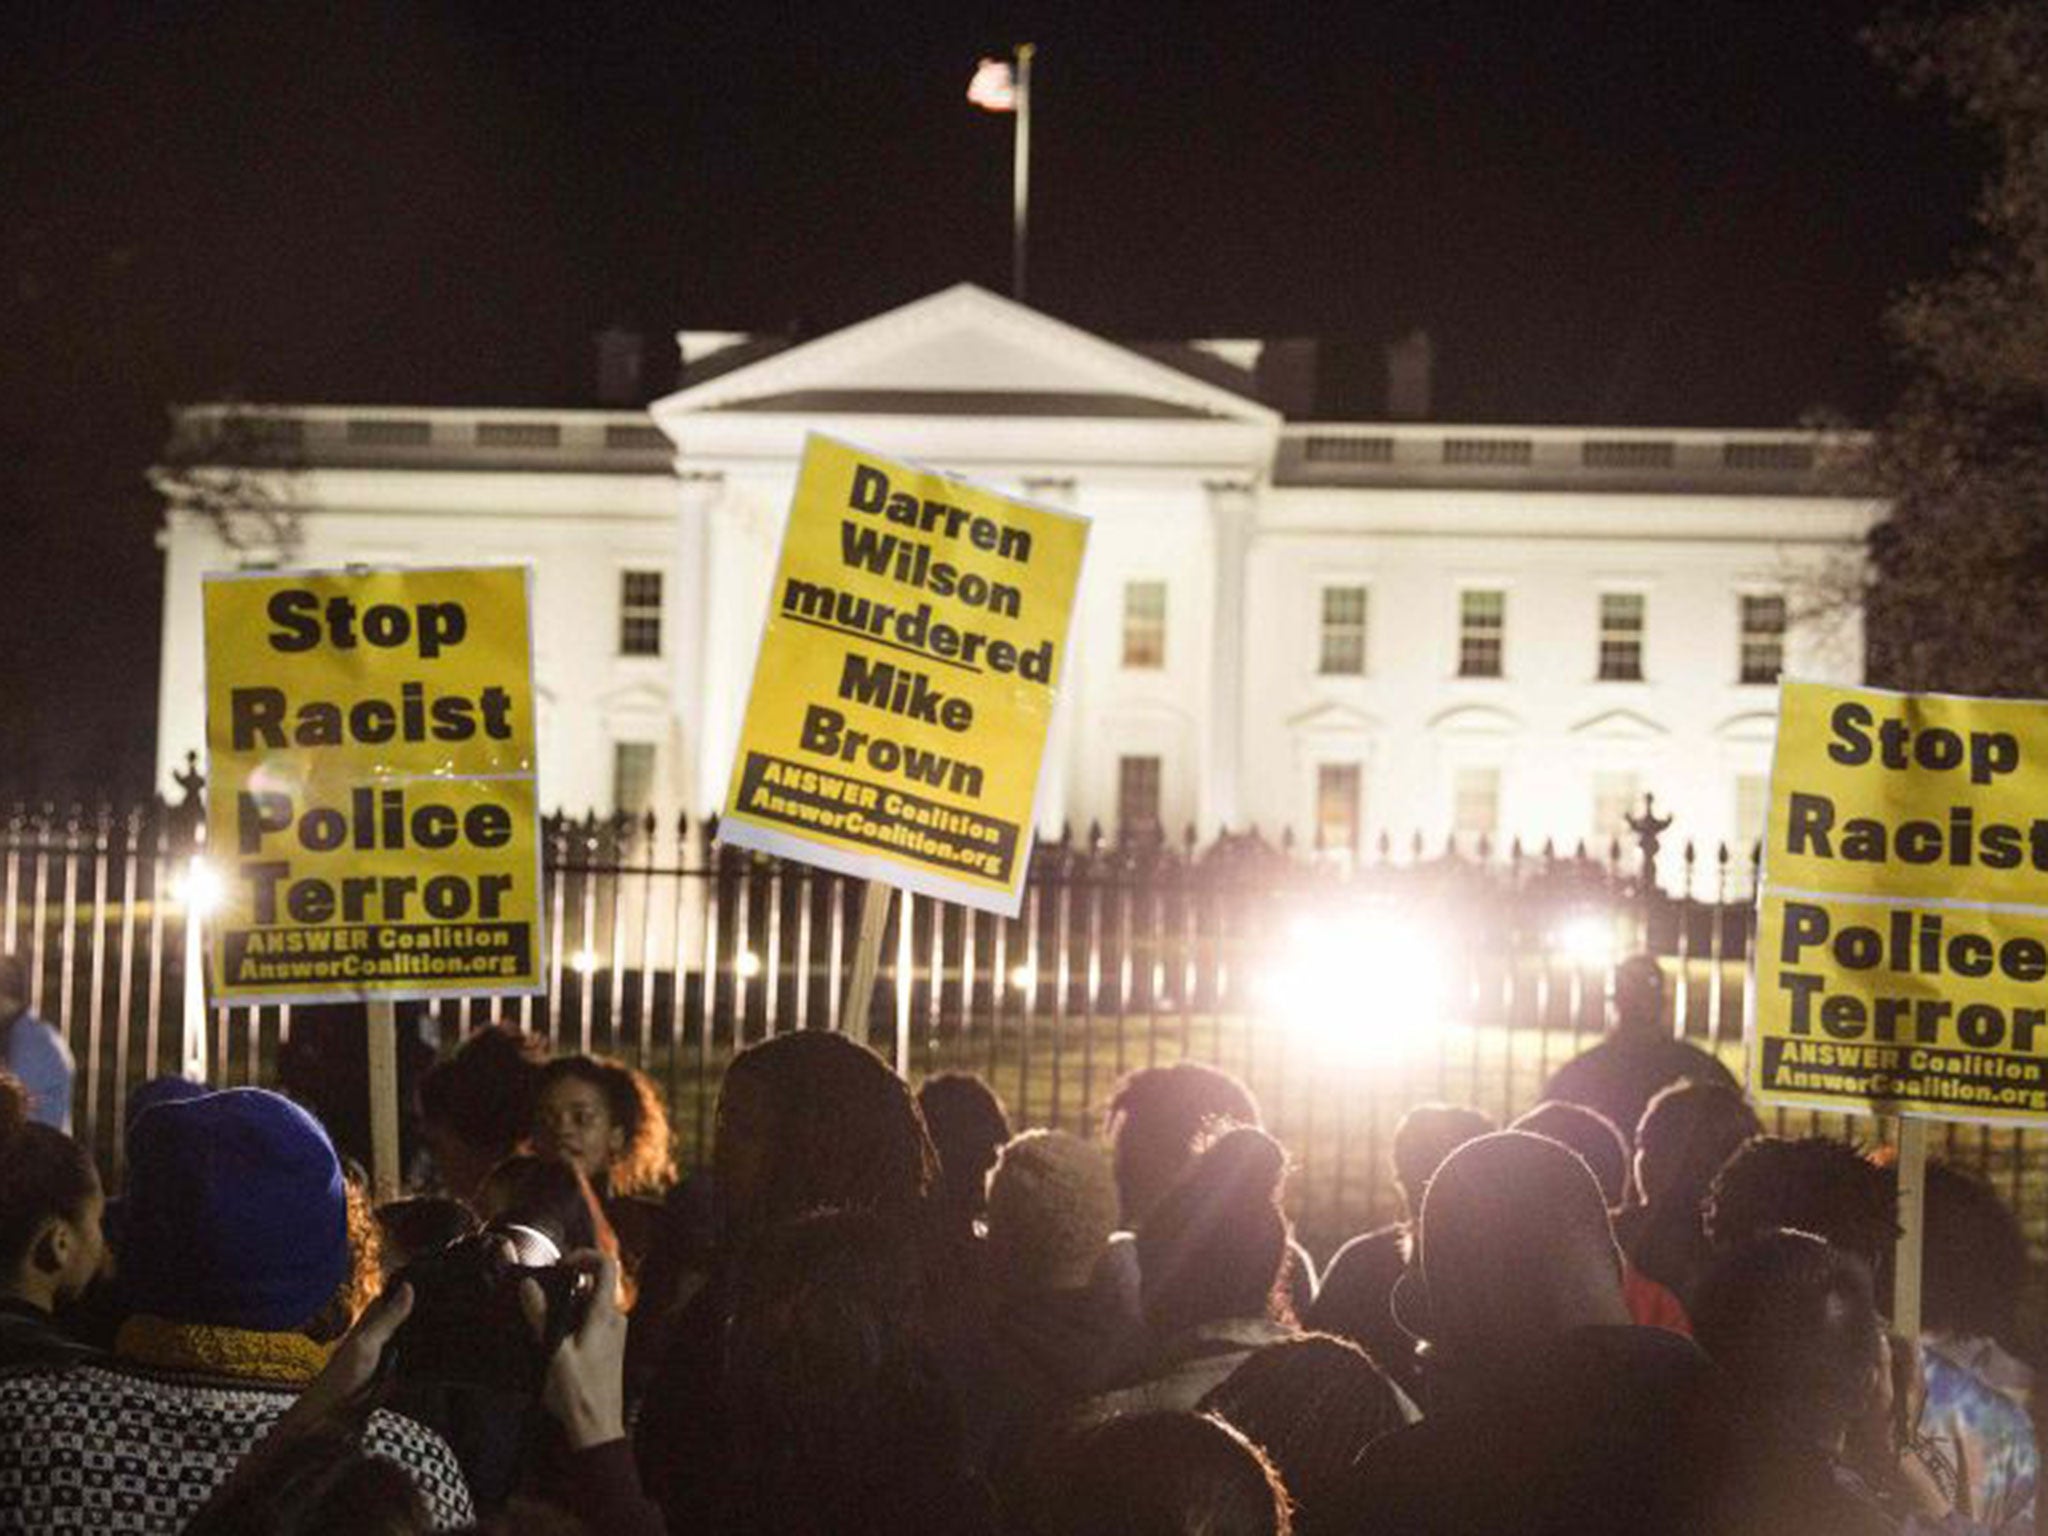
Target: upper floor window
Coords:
[[1482, 631], [1763, 637], [1621, 637], [1145, 624], [640, 613], [1343, 637]]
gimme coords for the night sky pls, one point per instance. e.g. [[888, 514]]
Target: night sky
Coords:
[[1646, 214]]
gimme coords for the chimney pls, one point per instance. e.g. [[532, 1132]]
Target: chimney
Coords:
[[618, 367], [1411, 362], [1286, 376]]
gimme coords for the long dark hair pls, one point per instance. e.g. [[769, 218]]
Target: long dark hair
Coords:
[[836, 1416], [44, 1174], [647, 1163], [817, 1120]]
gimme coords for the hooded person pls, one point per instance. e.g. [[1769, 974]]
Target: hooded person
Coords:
[[235, 1262], [1056, 1328], [1355, 1300], [1549, 1410]]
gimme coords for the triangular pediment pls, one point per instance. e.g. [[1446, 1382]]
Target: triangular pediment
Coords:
[[964, 352]]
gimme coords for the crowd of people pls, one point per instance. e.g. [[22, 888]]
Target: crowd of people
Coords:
[[887, 1310]]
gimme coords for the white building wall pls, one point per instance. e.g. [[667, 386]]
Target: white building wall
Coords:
[[1186, 483]]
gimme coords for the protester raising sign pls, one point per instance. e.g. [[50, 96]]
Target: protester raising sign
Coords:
[[1902, 949], [370, 790], [916, 637]]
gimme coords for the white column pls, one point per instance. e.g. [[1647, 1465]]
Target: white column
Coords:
[[1064, 741], [1231, 508], [700, 494]]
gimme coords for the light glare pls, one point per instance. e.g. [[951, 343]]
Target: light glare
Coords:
[[1361, 987], [1587, 941], [200, 888]]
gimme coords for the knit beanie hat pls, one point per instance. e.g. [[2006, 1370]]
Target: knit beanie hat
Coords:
[[1052, 1205], [236, 1214]]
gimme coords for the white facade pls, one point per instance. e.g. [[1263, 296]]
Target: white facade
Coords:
[[1326, 588]]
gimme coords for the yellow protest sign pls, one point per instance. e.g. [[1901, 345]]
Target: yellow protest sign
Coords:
[[915, 641], [1902, 945], [371, 799]]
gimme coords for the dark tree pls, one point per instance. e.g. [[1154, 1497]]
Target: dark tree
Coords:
[[1959, 572]]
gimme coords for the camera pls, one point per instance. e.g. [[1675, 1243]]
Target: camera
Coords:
[[467, 1328]]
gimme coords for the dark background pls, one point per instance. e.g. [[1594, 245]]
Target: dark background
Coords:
[[1646, 214]]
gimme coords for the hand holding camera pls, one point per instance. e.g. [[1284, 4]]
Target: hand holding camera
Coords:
[[585, 1386]]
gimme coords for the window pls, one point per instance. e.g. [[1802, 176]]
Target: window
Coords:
[[1482, 629], [632, 777], [1621, 637], [1343, 651], [1337, 806], [640, 613], [1475, 802], [1615, 798], [1137, 796], [1145, 624], [1763, 638], [1752, 801]]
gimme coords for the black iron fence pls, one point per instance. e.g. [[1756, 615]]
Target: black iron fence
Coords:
[[1343, 987]]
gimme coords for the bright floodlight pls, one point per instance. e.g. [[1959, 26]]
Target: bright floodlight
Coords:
[[748, 965], [1364, 987], [200, 888], [583, 962], [1587, 941], [1021, 977]]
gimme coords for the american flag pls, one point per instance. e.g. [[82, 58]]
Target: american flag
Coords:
[[994, 86]]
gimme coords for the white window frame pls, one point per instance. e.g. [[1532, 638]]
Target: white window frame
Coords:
[[1360, 629], [1154, 630], [631, 613], [1465, 589], [1606, 634]]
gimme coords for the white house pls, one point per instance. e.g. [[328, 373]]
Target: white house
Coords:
[[1344, 628]]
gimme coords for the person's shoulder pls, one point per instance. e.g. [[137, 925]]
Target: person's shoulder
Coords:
[[1957, 1391], [427, 1459], [1695, 1061], [35, 1040]]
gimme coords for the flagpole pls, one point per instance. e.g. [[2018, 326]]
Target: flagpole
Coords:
[[1021, 179]]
